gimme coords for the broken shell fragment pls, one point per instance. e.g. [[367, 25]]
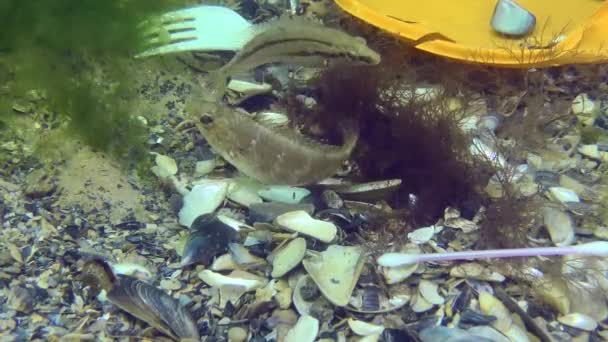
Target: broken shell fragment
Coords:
[[243, 258], [429, 290], [268, 211], [362, 328], [242, 279], [369, 192], [512, 19], [165, 166], [419, 304], [578, 321], [288, 257], [244, 191], [560, 226], [305, 330], [336, 271], [473, 270], [301, 222], [563, 195], [421, 235], [202, 199], [284, 194]]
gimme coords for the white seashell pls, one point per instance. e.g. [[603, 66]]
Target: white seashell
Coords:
[[165, 166], [305, 330], [582, 104], [419, 304], [370, 191], [490, 305], [421, 235], [288, 257], [233, 223], [429, 291], [242, 257], [223, 263], [560, 226], [202, 199], [204, 167], [473, 270], [394, 275], [362, 328], [244, 191], [248, 88], [132, 270], [283, 193], [301, 222], [244, 280], [579, 321], [563, 195], [302, 306], [336, 271], [511, 19], [272, 118], [592, 151]]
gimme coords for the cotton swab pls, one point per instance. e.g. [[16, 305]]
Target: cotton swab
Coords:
[[597, 248]]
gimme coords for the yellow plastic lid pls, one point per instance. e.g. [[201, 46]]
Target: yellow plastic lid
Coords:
[[566, 31]]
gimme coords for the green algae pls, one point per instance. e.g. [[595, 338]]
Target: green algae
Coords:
[[78, 54]]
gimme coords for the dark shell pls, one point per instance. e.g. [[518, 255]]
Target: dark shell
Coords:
[[268, 211], [154, 307], [208, 238], [371, 299], [547, 178], [471, 317]]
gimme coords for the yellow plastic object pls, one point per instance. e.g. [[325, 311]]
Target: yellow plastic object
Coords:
[[566, 31]]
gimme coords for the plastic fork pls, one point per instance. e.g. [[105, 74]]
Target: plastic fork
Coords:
[[200, 28]]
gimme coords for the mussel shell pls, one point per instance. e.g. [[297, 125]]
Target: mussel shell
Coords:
[[547, 178], [154, 307], [208, 238], [471, 317]]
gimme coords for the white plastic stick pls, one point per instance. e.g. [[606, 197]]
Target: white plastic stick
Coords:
[[597, 248]]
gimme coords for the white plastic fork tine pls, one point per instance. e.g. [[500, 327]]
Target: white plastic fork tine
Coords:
[[189, 34], [202, 29], [179, 26], [183, 46]]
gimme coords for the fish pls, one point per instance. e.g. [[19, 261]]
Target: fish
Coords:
[[292, 40], [276, 155]]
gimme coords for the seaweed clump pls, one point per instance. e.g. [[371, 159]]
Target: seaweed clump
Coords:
[[405, 136], [76, 57]]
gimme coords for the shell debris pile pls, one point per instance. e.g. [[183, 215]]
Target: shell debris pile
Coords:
[[204, 252]]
